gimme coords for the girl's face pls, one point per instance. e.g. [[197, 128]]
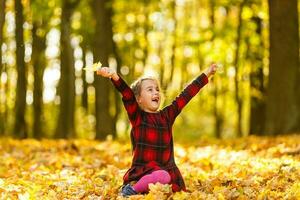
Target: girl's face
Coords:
[[149, 98]]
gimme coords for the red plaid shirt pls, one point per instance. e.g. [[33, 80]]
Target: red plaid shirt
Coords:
[[151, 133]]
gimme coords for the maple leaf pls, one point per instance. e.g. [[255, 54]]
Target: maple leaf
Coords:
[[94, 67]]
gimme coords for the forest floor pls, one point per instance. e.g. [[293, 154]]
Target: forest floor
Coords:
[[246, 168]]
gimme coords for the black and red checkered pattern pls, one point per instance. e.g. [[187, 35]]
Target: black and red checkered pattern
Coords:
[[151, 133]]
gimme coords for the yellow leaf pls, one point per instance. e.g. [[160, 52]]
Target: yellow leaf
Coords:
[[24, 196], [94, 67], [221, 197]]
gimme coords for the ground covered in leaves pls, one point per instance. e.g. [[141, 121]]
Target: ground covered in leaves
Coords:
[[248, 168]]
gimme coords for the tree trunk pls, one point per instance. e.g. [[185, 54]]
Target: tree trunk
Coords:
[[174, 45], [102, 51], [146, 30], [162, 68], [238, 99], [217, 115], [20, 103], [283, 109], [257, 88], [116, 93], [2, 21], [65, 125], [84, 96], [6, 94], [38, 62]]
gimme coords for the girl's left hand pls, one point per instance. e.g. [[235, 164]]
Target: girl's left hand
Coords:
[[213, 69]]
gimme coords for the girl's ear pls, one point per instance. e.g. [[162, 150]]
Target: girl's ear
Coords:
[[138, 99]]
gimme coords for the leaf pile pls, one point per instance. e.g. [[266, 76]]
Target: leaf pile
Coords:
[[247, 168]]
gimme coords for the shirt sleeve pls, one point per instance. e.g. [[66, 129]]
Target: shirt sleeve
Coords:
[[128, 99], [184, 97]]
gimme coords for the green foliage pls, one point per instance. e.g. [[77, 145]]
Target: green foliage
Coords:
[[176, 40], [41, 11]]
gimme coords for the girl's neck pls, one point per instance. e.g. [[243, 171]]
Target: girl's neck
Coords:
[[149, 111]]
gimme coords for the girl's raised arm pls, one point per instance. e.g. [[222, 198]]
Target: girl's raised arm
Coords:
[[128, 97], [188, 93], [184, 97]]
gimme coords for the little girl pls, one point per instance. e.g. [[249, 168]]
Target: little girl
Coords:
[[151, 133]]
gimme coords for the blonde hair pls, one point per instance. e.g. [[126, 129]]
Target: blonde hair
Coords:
[[137, 85]]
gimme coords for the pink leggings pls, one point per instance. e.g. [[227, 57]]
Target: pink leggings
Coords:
[[160, 176]]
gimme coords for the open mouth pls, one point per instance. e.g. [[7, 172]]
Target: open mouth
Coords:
[[156, 99]]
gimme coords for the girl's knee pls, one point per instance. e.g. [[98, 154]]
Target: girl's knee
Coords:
[[162, 176]]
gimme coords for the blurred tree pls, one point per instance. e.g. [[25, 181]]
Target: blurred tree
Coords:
[[84, 96], [102, 49], [257, 88], [283, 109], [217, 113], [20, 127], [146, 31], [174, 44], [38, 62], [65, 124], [2, 21], [116, 93], [41, 14], [238, 98], [85, 32]]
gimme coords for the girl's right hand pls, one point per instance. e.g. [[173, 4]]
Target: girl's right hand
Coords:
[[108, 73], [105, 72]]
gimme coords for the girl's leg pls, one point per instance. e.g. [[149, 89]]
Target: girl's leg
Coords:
[[160, 176]]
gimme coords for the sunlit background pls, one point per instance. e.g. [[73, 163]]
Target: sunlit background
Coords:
[[185, 37]]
